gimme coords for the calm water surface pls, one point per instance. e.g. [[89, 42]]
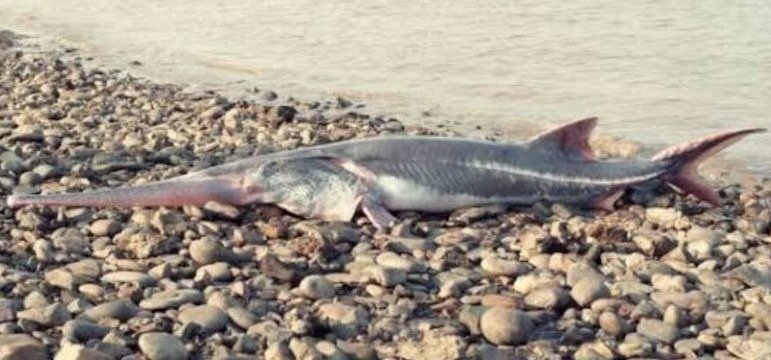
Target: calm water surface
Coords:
[[659, 72]]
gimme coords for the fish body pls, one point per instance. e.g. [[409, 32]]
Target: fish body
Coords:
[[423, 173]]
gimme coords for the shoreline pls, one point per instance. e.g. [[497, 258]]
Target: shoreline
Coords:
[[660, 277], [719, 168]]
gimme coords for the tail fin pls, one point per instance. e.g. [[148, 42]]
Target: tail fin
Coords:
[[684, 160]]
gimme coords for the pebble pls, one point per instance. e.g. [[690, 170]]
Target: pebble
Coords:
[[8, 310], [316, 287], [171, 299], [10, 161], [104, 227], [275, 269], [223, 211], [208, 251], [242, 317], [666, 282], [492, 300], [21, 347], [386, 276], [505, 326], [674, 316], [35, 300], [162, 346], [343, 320], [217, 272], [547, 298], [532, 281], [658, 330], [117, 309], [664, 217], [453, 285], [611, 323], [581, 271], [586, 290], [502, 267], [82, 331], [161, 271], [594, 350], [392, 260], [80, 352], [209, 318], [52, 315], [129, 277]]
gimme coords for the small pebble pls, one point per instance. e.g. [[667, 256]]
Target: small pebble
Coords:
[[504, 326], [162, 346]]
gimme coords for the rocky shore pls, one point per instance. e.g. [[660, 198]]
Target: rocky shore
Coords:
[[662, 277]]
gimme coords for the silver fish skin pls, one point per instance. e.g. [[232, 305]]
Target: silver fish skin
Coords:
[[423, 173]]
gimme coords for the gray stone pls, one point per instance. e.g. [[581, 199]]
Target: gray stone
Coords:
[[160, 271], [210, 318], [344, 320], [8, 309], [690, 348], [162, 346], [34, 300], [85, 270], [49, 316], [208, 251], [582, 271], [611, 323], [505, 326], [21, 347], [658, 330], [117, 309], [79, 352], [452, 285], [220, 210], [386, 276], [130, 277], [589, 289], [316, 287], [664, 217], [219, 271], [547, 298], [470, 316], [171, 299], [304, 349], [501, 267], [242, 317], [82, 331], [104, 227], [392, 260]]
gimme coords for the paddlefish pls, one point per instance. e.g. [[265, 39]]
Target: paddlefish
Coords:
[[384, 174]]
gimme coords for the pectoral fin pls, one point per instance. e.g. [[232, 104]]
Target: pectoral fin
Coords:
[[608, 201], [380, 217]]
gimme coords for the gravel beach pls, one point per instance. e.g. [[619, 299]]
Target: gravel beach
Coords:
[[662, 277]]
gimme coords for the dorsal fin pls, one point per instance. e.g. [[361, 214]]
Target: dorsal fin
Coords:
[[572, 139]]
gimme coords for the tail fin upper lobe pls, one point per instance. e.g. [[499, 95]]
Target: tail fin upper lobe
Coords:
[[684, 160]]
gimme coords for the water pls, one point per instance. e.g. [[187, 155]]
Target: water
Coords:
[[658, 72]]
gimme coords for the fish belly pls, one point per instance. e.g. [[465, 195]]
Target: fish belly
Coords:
[[405, 194]]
